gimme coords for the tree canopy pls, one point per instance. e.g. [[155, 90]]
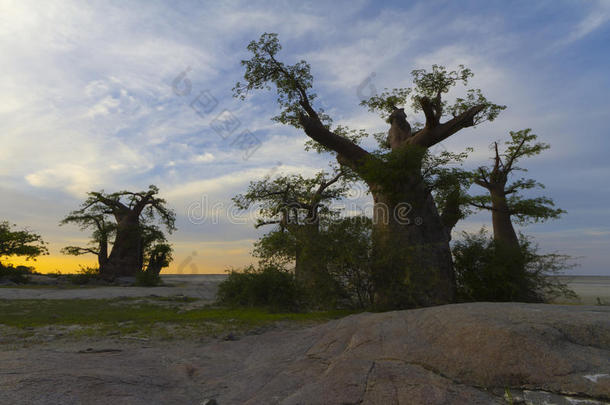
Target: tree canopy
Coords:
[[498, 178], [24, 243]]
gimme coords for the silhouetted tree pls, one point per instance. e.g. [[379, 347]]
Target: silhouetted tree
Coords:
[[297, 206], [23, 242], [503, 198], [103, 230], [132, 212]]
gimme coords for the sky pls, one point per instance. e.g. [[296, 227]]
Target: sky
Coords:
[[119, 95]]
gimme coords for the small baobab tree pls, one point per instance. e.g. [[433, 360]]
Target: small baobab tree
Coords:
[[133, 213], [298, 207], [503, 196]]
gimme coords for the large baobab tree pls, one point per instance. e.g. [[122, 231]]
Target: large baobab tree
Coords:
[[503, 198], [412, 259], [297, 206], [132, 212]]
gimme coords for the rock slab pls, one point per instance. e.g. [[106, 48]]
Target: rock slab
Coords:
[[482, 353]]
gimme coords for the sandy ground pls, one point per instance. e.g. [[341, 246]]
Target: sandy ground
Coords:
[[589, 288], [203, 287]]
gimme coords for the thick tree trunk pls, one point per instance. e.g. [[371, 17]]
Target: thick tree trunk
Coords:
[[310, 268], [126, 256], [102, 256], [412, 259], [503, 229]]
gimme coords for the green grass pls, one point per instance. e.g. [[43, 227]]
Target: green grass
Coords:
[[163, 318]]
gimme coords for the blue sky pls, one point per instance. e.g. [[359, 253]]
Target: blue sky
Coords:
[[87, 103]]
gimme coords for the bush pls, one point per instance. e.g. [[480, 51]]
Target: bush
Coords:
[[146, 278], [348, 247], [19, 274], [488, 271], [267, 286], [84, 275]]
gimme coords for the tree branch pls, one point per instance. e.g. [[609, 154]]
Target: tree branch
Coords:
[[350, 153], [432, 120], [431, 136], [511, 159], [481, 206], [263, 223]]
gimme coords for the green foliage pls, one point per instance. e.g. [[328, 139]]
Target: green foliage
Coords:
[[429, 87], [276, 247], [390, 170], [490, 271], [386, 102], [149, 318], [266, 286], [347, 244], [146, 278], [20, 242], [157, 252], [16, 274], [287, 200], [289, 203], [293, 82], [446, 179]]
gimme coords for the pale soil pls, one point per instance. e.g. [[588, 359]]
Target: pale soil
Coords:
[[590, 289], [203, 287]]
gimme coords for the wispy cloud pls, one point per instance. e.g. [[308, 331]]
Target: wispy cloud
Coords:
[[596, 18]]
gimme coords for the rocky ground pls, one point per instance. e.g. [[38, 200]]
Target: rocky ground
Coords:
[[479, 353]]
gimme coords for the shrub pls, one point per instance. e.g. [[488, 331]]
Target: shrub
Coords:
[[267, 286], [147, 278], [84, 275], [19, 274], [347, 253], [488, 271]]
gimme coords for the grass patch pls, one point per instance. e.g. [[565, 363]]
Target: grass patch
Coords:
[[166, 319]]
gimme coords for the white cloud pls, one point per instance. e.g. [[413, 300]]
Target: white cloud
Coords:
[[595, 19], [204, 158]]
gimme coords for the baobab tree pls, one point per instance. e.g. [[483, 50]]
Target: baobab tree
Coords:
[[103, 231], [297, 206], [503, 198], [132, 212], [412, 258], [157, 252]]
